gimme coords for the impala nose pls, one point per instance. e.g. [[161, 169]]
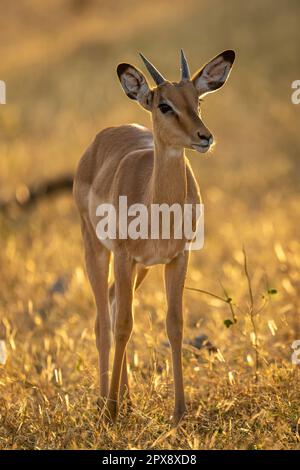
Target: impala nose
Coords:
[[205, 139]]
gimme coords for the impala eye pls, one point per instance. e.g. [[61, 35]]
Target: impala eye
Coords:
[[165, 108]]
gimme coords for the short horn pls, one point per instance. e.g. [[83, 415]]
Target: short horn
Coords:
[[185, 71], [157, 77]]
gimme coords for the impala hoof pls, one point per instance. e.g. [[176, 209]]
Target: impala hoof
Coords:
[[178, 416], [111, 412], [101, 402]]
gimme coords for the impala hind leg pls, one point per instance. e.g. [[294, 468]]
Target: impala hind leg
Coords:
[[175, 273], [97, 260], [141, 273]]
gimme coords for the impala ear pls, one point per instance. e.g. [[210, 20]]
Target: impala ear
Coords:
[[214, 74], [135, 85]]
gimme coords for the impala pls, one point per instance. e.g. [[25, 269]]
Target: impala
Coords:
[[148, 168]]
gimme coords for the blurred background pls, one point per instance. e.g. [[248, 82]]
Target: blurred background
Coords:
[[58, 59]]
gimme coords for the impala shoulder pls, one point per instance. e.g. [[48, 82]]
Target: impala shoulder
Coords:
[[123, 129], [125, 134]]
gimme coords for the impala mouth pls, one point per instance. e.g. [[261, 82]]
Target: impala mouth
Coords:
[[202, 148]]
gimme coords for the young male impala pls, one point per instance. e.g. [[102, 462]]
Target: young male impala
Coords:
[[147, 167]]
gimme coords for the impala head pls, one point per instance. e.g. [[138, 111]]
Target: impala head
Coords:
[[175, 105]]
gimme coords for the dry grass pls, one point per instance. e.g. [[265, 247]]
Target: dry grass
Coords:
[[59, 62]]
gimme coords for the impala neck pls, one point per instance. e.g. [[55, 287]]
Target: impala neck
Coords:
[[169, 174]]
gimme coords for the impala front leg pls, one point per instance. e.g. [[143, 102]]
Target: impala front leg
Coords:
[[141, 273], [97, 264], [124, 286], [175, 273]]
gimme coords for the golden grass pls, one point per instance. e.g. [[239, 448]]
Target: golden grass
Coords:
[[59, 64]]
